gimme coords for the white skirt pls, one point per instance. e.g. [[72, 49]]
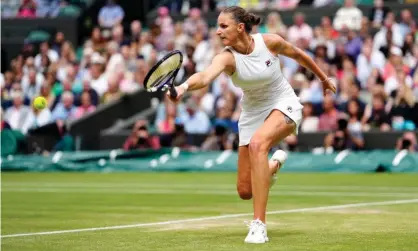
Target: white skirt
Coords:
[[250, 121]]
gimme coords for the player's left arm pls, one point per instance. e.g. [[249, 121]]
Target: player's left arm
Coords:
[[280, 46]]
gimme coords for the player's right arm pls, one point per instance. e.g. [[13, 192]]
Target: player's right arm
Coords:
[[220, 63]]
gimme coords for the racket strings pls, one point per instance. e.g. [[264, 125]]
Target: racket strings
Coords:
[[165, 70]]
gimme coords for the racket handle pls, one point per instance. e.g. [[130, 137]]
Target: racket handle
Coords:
[[173, 91]]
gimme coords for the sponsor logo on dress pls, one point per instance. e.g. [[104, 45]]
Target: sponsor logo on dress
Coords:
[[268, 63]]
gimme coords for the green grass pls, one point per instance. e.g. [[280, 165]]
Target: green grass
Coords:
[[38, 202]]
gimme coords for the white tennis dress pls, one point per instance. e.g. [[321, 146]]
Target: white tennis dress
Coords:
[[265, 89]]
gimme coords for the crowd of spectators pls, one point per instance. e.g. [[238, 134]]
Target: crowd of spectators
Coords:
[[40, 8], [372, 57]]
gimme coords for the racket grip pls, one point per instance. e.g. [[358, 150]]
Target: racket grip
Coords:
[[173, 91]]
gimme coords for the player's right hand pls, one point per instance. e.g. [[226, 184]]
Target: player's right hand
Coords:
[[180, 93]]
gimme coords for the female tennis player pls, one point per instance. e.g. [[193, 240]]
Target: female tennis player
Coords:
[[270, 108]]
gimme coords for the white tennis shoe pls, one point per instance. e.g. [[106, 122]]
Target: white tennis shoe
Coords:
[[257, 233], [281, 157]]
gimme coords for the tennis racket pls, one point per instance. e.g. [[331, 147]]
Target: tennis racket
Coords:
[[162, 75]]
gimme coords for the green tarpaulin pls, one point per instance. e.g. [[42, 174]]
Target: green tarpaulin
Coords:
[[176, 160]]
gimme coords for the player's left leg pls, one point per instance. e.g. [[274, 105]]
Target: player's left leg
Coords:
[[276, 127]]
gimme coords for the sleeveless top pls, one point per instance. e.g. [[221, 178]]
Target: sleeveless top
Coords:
[[260, 77]]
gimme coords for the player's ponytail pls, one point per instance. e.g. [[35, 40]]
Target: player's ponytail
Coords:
[[240, 15], [253, 19]]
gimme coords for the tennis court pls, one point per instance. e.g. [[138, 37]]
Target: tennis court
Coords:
[[201, 211]]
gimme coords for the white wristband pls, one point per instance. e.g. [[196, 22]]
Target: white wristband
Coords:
[[185, 86]]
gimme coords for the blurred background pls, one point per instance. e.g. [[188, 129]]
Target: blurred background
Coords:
[[89, 59]]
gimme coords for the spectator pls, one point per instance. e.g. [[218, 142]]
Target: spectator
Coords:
[[407, 21], [378, 13], [404, 110], [98, 80], [117, 34], [31, 83], [110, 15], [195, 121], [96, 42], [67, 58], [140, 138], [180, 38], [161, 111], [322, 3], [167, 126], [354, 95], [113, 92], [348, 16], [7, 97], [193, 22], [223, 4], [202, 48], [37, 118], [46, 92], [219, 140], [58, 42], [375, 115], [136, 29], [6, 80], [205, 100], [94, 97], [16, 115], [64, 109], [408, 50], [285, 4], [300, 30], [400, 78], [27, 9], [354, 112], [165, 22], [180, 138], [328, 119], [389, 35], [309, 121], [274, 24], [353, 45], [85, 108], [368, 60], [329, 32], [344, 138], [408, 141], [45, 50]]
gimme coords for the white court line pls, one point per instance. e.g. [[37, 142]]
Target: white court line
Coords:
[[205, 192], [140, 225]]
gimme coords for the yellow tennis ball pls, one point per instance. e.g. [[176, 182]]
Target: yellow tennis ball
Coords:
[[40, 103]]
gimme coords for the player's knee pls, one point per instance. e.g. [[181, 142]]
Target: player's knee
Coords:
[[258, 145], [244, 193]]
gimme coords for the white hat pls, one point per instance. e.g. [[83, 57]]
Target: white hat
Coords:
[[97, 59], [88, 51], [396, 51]]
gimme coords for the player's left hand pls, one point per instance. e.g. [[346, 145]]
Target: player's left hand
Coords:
[[328, 85]]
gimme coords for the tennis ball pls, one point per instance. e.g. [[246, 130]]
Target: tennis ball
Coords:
[[39, 103]]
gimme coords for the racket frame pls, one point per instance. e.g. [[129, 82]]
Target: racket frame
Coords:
[[170, 81]]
